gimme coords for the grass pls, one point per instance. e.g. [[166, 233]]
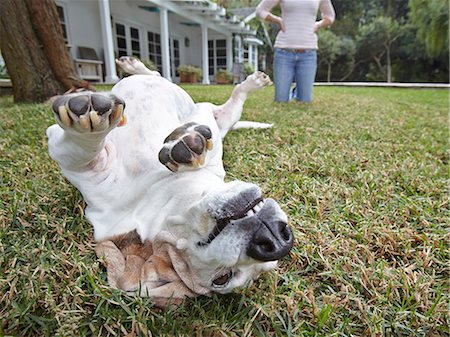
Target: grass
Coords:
[[362, 173]]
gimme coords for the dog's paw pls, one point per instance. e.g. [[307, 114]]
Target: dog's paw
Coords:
[[186, 147], [89, 112], [133, 66], [258, 80]]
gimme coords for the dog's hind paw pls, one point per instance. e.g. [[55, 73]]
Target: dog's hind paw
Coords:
[[186, 147], [87, 112], [257, 80]]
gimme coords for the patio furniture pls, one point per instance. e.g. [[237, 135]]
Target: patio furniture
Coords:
[[88, 65]]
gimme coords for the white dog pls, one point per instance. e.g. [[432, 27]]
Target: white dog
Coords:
[[167, 224]]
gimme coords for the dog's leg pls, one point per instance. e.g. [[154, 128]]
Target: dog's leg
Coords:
[[133, 66], [84, 121], [228, 114], [186, 146]]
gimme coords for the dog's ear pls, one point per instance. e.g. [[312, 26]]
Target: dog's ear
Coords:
[[158, 271], [174, 252], [160, 282], [123, 264], [113, 259]]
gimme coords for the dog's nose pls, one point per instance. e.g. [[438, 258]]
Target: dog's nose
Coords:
[[271, 241]]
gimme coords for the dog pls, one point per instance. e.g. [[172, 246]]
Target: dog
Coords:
[[148, 163]]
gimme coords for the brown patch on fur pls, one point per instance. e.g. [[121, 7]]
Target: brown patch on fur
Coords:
[[131, 244], [134, 266]]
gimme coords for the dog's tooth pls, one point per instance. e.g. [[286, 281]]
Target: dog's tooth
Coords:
[[209, 144], [123, 121], [250, 213], [94, 118], [171, 166], [64, 116], [118, 112], [84, 122], [257, 208]]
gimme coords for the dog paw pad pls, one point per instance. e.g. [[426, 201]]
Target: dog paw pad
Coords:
[[86, 112], [186, 147]]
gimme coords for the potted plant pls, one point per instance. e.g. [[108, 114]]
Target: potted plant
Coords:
[[249, 69], [223, 76], [189, 73]]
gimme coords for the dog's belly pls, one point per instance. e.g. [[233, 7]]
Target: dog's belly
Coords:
[[154, 108], [127, 187]]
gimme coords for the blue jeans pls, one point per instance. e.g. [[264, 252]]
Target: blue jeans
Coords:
[[291, 66]]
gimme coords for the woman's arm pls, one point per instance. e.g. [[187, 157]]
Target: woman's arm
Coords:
[[263, 12], [327, 13]]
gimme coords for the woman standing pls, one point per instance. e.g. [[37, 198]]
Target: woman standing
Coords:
[[296, 44]]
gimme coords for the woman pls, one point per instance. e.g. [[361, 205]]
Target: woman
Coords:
[[296, 44]]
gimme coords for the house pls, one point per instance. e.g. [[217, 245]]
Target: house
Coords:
[[168, 32]]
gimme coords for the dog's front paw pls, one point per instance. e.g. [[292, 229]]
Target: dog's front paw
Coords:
[[186, 147], [87, 111]]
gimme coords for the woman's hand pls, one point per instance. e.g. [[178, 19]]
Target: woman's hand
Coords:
[[281, 25], [277, 20]]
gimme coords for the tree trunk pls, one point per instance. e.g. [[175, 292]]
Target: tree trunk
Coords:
[[389, 68], [329, 72], [33, 47]]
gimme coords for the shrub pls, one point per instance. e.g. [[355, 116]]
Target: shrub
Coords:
[[190, 70], [150, 65], [223, 76], [249, 69]]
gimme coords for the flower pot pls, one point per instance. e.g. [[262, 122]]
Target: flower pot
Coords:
[[188, 78]]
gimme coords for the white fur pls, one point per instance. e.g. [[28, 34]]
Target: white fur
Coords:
[[126, 188]]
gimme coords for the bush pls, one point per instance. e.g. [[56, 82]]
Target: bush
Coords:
[[223, 76], [150, 65], [189, 73], [249, 69], [190, 70]]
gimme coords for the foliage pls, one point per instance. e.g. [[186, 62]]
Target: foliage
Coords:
[[375, 42], [362, 174], [431, 19], [377, 20], [190, 70], [333, 47], [223, 75], [150, 64], [248, 69]]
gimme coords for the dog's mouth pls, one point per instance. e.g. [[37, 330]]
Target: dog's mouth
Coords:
[[251, 209]]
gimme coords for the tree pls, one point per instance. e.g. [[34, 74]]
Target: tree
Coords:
[[332, 48], [33, 47], [375, 41], [430, 17]]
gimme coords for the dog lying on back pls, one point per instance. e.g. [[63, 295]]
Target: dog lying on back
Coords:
[[148, 162]]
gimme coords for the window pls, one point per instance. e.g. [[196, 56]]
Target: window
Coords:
[[135, 44], [154, 49], [211, 57], [127, 40], [175, 56], [121, 40], [62, 20], [217, 55], [251, 55]]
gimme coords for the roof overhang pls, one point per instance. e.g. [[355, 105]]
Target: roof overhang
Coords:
[[253, 40], [207, 13]]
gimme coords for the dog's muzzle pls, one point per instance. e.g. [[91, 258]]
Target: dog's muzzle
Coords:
[[272, 238], [261, 220], [271, 241]]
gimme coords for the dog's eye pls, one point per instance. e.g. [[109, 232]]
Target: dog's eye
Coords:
[[223, 279]]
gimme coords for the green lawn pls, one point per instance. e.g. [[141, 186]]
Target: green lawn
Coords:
[[362, 173]]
